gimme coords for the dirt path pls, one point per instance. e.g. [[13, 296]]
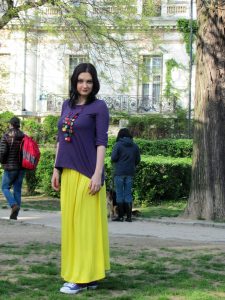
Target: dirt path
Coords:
[[12, 232]]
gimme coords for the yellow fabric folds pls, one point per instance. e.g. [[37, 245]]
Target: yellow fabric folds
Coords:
[[84, 244]]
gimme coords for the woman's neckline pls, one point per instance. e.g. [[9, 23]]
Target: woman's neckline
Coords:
[[80, 104]]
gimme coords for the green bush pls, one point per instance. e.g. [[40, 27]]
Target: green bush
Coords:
[[44, 172], [151, 126], [158, 126], [50, 129], [158, 178], [165, 147], [31, 181], [116, 116], [111, 143], [171, 147], [4, 121], [33, 128]]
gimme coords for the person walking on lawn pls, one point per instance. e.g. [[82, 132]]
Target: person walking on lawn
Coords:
[[13, 175], [125, 157]]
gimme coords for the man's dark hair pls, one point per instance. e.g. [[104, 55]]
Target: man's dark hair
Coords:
[[82, 68], [124, 132], [15, 122]]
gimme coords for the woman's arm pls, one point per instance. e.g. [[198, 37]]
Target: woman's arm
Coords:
[[56, 173], [102, 125], [96, 179]]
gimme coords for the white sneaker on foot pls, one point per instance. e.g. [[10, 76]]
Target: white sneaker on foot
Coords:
[[73, 288]]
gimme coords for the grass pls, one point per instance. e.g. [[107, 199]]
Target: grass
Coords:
[[165, 209], [165, 274], [39, 202]]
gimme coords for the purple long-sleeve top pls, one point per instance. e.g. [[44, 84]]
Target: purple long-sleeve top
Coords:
[[90, 130]]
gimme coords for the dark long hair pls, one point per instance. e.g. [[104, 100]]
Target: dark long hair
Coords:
[[81, 68], [123, 132]]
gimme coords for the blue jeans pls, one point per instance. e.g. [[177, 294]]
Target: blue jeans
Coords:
[[123, 186], [13, 178]]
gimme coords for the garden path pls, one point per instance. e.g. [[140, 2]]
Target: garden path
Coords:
[[164, 228]]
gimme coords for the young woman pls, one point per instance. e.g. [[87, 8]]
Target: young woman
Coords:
[[82, 139], [125, 156]]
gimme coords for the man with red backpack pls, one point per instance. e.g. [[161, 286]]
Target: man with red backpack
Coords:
[[10, 148]]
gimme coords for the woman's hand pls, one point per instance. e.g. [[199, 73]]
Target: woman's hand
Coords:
[[55, 180], [95, 184]]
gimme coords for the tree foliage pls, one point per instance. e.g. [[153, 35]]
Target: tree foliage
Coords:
[[105, 25], [4, 121], [184, 26]]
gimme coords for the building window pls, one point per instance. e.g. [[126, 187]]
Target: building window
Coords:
[[151, 82], [74, 61]]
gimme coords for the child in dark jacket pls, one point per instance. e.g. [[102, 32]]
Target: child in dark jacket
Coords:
[[125, 156]]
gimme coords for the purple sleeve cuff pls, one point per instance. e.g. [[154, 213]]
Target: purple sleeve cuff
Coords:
[[102, 125]]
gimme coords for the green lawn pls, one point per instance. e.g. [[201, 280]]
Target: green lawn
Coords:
[[40, 202], [165, 209], [32, 272]]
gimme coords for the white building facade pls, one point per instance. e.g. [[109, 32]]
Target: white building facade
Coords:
[[35, 67]]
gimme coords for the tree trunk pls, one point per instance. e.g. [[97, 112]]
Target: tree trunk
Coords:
[[207, 195]]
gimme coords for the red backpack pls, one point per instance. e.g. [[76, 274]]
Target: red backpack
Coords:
[[30, 153]]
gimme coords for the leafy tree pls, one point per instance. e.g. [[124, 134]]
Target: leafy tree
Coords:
[[103, 25], [207, 195], [4, 121]]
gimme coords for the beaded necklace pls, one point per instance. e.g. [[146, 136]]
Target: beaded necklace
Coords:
[[67, 126]]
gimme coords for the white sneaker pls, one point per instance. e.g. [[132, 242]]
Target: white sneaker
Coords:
[[73, 288], [67, 283]]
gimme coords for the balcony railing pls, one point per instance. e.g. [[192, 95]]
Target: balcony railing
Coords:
[[162, 9], [52, 103], [117, 103], [177, 9], [11, 102]]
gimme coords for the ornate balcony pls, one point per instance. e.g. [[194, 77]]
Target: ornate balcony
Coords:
[[11, 102], [117, 103]]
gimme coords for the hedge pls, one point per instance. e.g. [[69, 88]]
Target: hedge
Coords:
[[170, 147], [159, 126], [166, 147], [157, 177], [44, 172]]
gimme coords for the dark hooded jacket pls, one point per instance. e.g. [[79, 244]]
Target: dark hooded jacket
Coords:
[[125, 156], [10, 149]]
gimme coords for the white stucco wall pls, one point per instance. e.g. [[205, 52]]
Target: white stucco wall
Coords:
[[39, 64]]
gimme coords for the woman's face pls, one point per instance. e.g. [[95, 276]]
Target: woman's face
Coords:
[[84, 84]]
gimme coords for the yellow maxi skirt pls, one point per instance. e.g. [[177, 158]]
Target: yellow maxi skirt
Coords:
[[84, 244]]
